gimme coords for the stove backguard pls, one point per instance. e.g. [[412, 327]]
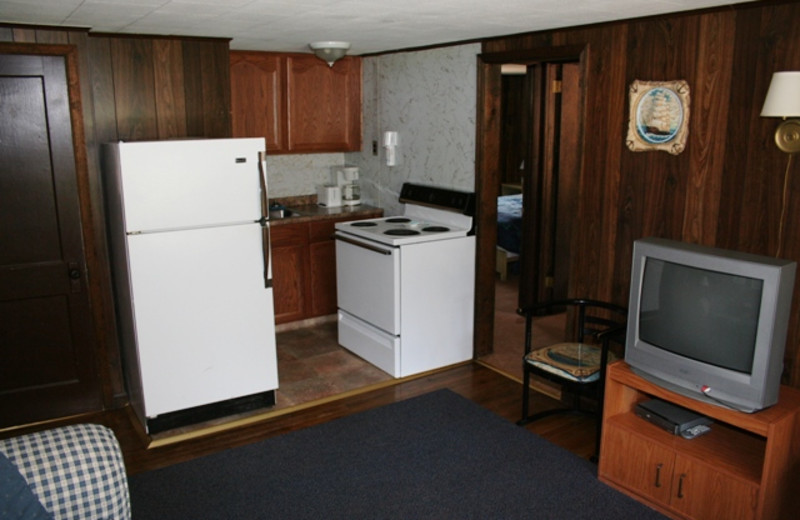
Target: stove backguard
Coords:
[[440, 198]]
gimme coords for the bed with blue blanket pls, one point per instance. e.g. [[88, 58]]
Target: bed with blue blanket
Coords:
[[509, 231], [509, 222]]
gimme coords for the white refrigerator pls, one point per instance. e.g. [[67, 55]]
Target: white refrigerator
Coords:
[[189, 238]]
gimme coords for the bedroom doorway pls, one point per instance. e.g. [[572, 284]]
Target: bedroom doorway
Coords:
[[550, 160], [538, 158]]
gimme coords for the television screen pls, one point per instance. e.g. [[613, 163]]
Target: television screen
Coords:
[[704, 315]]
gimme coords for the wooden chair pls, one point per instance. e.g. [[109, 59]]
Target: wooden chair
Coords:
[[579, 363]]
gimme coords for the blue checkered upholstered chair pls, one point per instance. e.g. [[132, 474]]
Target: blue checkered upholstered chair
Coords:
[[72, 472]]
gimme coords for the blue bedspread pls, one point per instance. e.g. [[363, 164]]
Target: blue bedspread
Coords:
[[509, 222]]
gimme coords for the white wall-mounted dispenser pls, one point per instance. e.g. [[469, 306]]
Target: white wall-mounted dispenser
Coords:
[[390, 143]]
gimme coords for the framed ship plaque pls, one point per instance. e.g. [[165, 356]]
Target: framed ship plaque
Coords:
[[659, 116]]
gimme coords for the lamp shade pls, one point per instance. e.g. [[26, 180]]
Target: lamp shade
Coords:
[[329, 51], [783, 96]]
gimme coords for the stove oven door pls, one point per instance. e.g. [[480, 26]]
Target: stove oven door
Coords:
[[368, 282], [368, 279]]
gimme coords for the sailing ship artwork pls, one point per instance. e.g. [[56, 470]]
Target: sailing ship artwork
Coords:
[[659, 113]]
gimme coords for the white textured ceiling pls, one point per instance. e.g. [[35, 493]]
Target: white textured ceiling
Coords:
[[370, 25]]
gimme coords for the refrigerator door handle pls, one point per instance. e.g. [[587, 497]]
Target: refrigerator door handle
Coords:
[[264, 220]]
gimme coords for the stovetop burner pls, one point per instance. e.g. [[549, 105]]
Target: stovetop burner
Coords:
[[403, 232], [429, 214]]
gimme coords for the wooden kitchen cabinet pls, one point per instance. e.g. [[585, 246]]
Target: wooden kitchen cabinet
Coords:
[[296, 101], [322, 268], [324, 104], [745, 468], [290, 270], [258, 97]]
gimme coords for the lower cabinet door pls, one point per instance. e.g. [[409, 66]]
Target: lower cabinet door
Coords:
[[682, 484], [289, 279], [323, 277], [702, 491], [646, 469]]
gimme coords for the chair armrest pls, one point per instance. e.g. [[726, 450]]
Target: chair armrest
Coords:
[[616, 333]]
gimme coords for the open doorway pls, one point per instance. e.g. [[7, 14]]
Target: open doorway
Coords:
[[539, 143]]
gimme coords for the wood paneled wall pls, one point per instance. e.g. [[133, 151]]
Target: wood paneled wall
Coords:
[[726, 188], [135, 88]]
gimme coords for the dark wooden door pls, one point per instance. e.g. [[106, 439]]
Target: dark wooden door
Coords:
[[47, 340], [550, 191]]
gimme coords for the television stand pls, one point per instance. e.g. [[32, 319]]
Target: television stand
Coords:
[[747, 467]]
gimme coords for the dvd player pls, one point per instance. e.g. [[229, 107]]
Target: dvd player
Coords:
[[669, 417]]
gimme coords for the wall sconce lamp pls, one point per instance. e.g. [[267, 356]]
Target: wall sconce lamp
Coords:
[[329, 51], [783, 100]]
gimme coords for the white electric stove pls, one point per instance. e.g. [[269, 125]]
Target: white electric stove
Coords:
[[405, 284]]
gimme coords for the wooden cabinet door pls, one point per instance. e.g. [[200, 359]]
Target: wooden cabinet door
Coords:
[[49, 367], [646, 468], [323, 278], [322, 249], [257, 98], [290, 272], [324, 104], [701, 491]]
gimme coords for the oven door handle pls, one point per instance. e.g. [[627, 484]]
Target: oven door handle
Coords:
[[362, 245]]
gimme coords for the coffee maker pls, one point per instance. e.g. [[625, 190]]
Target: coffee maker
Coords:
[[346, 177]]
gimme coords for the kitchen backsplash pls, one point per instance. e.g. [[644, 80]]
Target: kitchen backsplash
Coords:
[[291, 175]]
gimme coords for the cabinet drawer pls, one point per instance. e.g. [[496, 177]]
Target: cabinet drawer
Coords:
[[322, 230], [289, 235]]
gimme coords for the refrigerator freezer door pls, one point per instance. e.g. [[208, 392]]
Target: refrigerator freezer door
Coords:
[[204, 320], [189, 183]]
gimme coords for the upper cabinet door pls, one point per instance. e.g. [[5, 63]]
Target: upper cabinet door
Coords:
[[297, 102], [258, 98], [324, 104]]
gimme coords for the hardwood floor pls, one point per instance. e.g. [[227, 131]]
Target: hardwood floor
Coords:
[[471, 380]]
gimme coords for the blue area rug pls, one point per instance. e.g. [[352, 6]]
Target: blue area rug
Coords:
[[434, 456]]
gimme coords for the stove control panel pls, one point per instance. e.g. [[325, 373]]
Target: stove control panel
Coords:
[[442, 198]]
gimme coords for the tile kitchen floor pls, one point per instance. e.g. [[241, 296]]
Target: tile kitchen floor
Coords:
[[312, 365]]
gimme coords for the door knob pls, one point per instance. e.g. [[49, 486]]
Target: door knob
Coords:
[[74, 273]]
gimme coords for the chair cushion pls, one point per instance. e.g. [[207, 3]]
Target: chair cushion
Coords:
[[577, 362], [17, 501]]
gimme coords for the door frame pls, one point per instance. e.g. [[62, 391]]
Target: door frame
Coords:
[[101, 314], [487, 171]]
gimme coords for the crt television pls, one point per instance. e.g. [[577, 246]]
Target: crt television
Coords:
[[709, 323]]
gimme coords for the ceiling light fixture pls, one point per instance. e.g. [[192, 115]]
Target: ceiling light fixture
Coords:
[[329, 51]]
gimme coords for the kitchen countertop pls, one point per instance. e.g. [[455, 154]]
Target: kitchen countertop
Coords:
[[308, 210]]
